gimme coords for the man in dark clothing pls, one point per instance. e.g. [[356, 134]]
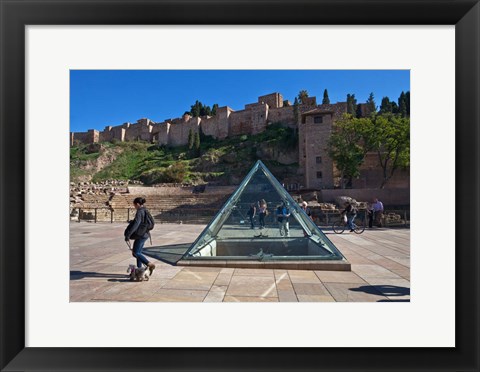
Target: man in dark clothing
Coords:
[[251, 214]]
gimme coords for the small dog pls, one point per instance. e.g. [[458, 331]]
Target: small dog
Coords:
[[137, 274]]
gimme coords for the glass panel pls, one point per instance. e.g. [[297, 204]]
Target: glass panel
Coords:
[[261, 221]]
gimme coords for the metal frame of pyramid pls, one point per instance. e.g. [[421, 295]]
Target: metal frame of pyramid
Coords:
[[201, 249]]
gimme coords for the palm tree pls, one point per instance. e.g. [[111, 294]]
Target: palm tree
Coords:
[[302, 95]]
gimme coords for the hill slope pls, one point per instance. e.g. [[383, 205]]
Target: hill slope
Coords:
[[223, 162]]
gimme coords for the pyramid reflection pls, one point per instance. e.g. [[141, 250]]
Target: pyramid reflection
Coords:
[[262, 222]]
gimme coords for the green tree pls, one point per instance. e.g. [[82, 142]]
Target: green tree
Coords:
[[385, 106], [196, 143], [351, 105], [195, 109], [371, 103], [350, 141], [402, 105], [295, 110], [407, 97], [302, 95], [326, 100], [214, 109], [175, 173], [392, 143], [199, 109], [190, 139]]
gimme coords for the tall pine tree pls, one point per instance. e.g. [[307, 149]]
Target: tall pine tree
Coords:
[[326, 100], [197, 143], [385, 106], [214, 109], [372, 108], [190, 139]]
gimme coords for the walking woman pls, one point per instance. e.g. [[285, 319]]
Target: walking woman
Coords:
[[137, 231]]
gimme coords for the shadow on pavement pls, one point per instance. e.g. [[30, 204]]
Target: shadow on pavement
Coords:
[[76, 275], [169, 254], [385, 290]]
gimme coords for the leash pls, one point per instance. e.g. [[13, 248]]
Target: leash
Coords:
[[128, 243]]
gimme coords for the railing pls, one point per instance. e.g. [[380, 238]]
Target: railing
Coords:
[[323, 218], [390, 217], [105, 214]]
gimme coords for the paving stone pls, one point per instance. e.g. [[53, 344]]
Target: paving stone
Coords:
[[354, 292], [315, 298], [249, 299], [216, 294], [223, 278], [339, 277], [178, 295], [246, 285], [373, 271], [302, 276], [287, 295], [199, 280], [310, 289], [254, 272]]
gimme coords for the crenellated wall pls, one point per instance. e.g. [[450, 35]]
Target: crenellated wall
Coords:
[[227, 122]]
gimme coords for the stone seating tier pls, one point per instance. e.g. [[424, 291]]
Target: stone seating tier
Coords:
[[188, 208]]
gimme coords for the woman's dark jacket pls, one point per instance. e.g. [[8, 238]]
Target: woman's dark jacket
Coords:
[[131, 232]]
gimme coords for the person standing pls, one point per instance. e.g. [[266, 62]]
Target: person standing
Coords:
[[137, 231], [283, 214], [377, 208], [370, 215], [262, 212], [251, 214], [304, 206]]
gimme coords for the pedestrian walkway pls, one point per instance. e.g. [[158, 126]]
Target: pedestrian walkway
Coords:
[[99, 259]]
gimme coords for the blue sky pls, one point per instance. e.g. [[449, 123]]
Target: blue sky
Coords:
[[111, 97]]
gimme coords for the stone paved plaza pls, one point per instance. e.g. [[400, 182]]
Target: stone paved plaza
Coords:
[[99, 258]]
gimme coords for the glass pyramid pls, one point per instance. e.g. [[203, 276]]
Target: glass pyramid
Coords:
[[241, 231]]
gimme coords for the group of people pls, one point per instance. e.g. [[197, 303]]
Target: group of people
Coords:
[[375, 213], [282, 215], [261, 208]]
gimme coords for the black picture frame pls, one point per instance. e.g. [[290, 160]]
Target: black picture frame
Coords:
[[16, 14]]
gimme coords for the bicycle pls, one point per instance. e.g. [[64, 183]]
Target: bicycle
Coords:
[[340, 225]]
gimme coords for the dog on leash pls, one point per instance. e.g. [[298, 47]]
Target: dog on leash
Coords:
[[138, 274]]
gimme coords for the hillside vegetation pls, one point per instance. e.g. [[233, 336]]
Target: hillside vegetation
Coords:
[[223, 162]]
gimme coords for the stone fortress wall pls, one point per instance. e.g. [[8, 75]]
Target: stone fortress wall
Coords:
[[253, 119], [313, 125]]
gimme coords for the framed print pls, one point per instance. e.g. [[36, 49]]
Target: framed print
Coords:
[[42, 330]]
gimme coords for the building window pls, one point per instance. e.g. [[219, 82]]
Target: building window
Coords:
[[318, 159], [319, 174], [318, 119]]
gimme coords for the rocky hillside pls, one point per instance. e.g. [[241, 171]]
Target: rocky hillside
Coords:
[[222, 162]]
